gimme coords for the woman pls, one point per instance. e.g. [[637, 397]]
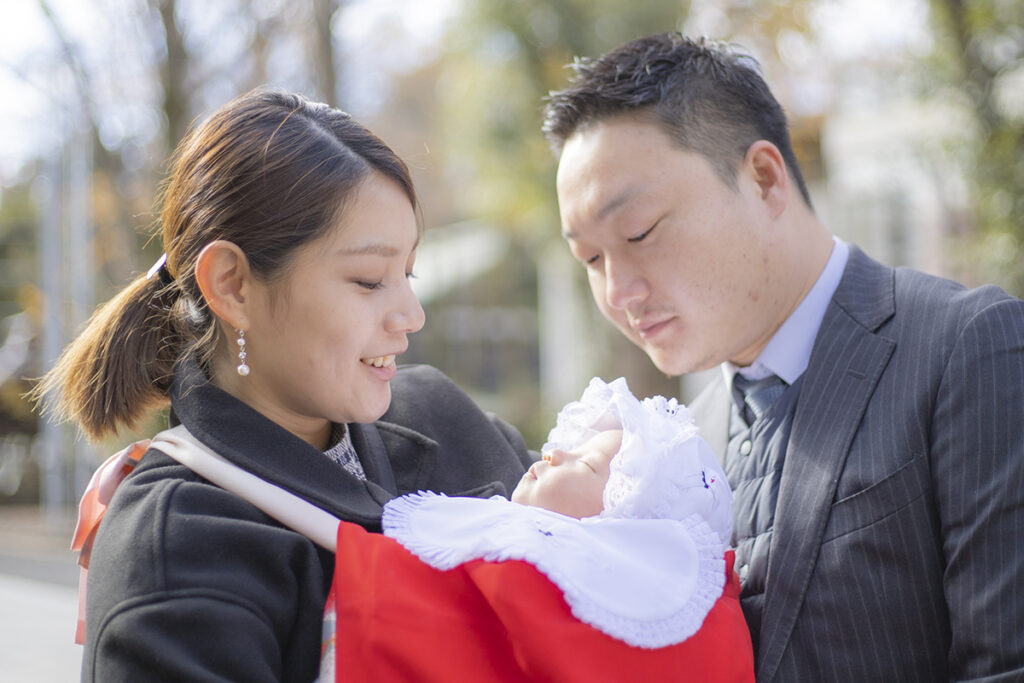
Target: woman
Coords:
[[273, 327]]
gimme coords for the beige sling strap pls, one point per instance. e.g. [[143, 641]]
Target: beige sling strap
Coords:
[[309, 520]]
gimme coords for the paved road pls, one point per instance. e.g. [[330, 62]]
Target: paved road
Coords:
[[38, 599], [37, 629]]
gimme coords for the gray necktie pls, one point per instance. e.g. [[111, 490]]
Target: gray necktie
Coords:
[[757, 395]]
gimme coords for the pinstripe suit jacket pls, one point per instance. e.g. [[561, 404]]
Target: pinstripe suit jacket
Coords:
[[898, 547]]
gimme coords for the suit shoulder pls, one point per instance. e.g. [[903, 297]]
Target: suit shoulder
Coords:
[[942, 300]]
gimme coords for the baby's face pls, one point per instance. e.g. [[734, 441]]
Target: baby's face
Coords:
[[571, 482]]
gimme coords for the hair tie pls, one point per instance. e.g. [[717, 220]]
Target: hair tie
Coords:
[[160, 269]]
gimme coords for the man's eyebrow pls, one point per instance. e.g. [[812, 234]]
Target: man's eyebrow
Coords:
[[608, 208]]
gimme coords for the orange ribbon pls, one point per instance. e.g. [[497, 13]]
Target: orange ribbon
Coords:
[[91, 510]]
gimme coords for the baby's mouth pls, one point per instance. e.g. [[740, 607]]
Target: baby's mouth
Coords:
[[379, 361]]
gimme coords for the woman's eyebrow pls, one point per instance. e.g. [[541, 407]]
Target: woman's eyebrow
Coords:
[[374, 249]]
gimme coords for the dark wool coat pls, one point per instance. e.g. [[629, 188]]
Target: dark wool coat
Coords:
[[190, 582]]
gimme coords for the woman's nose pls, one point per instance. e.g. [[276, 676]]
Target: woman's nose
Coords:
[[408, 315]]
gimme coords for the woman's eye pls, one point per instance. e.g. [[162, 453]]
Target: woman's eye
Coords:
[[592, 260], [411, 275], [370, 285]]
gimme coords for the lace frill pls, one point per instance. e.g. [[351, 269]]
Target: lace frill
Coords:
[[647, 582]]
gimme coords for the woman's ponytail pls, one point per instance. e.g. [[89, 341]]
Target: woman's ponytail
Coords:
[[120, 366]]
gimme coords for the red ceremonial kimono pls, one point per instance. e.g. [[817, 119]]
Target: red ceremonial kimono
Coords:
[[399, 619]]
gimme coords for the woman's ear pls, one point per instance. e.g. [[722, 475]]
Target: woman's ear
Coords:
[[768, 170], [225, 279]]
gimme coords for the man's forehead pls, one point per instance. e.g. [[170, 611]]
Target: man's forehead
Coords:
[[604, 169], [600, 208]]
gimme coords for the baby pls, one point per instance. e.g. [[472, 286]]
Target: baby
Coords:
[[613, 547]]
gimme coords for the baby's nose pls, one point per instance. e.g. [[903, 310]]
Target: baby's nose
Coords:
[[553, 457]]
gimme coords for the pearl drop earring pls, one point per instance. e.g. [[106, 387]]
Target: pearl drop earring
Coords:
[[243, 369]]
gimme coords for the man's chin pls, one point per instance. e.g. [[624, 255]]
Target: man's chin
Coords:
[[676, 364]]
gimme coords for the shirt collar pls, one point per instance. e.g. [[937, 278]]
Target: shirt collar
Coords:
[[788, 352]]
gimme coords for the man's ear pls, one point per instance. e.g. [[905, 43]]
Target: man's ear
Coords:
[[225, 279], [767, 169]]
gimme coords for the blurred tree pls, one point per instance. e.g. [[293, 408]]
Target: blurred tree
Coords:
[[134, 97], [174, 72], [469, 121], [324, 60], [980, 49], [501, 58]]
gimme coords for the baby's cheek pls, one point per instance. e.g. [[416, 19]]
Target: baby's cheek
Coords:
[[520, 494]]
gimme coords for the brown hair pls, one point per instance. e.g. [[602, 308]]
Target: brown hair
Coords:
[[270, 172]]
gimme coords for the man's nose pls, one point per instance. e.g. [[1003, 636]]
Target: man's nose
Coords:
[[624, 285]]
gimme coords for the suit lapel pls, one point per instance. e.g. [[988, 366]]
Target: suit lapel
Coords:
[[846, 363]]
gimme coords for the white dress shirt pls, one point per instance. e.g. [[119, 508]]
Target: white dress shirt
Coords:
[[788, 352]]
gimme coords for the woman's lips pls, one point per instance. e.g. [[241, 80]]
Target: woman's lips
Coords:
[[382, 366], [379, 361]]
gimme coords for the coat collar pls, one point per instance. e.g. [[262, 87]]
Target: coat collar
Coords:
[[846, 364], [258, 445]]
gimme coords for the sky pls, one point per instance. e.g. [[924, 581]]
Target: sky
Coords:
[[34, 116], [23, 33]]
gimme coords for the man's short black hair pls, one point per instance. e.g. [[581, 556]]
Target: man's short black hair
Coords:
[[709, 97]]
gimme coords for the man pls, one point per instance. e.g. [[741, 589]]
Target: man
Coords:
[[869, 419]]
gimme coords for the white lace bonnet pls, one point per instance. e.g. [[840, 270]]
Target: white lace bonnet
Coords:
[[664, 469]]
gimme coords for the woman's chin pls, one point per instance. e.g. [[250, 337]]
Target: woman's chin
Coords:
[[373, 409]]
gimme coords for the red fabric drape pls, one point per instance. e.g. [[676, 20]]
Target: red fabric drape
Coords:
[[399, 619]]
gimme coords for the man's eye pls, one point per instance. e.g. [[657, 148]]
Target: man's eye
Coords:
[[641, 236]]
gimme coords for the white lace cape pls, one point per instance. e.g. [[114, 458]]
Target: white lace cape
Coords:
[[647, 582]]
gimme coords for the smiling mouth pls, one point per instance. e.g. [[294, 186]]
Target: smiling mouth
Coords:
[[379, 361]]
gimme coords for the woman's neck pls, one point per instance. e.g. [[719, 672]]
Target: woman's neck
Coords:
[[313, 430]]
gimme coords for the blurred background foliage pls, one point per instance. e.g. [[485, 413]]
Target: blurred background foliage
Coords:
[[908, 117]]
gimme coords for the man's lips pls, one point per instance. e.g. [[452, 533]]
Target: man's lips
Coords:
[[648, 328]]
